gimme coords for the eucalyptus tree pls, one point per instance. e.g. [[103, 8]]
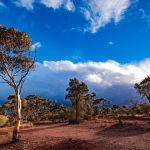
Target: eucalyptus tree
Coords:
[[143, 88], [16, 60], [76, 93], [38, 108]]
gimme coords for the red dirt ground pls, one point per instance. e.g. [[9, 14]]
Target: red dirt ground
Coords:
[[102, 134]]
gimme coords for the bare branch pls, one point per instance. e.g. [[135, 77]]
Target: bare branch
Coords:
[[7, 81]]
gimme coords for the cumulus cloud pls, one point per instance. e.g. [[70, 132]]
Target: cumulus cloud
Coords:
[[109, 79], [101, 12], [36, 46], [94, 78], [122, 73]]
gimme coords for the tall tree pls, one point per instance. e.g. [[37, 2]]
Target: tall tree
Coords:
[[143, 88], [76, 93], [15, 63]]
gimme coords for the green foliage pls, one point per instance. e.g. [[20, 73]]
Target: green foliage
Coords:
[[100, 106], [116, 110], [143, 88], [89, 113], [3, 120], [97, 111], [15, 56], [72, 116], [88, 106], [35, 109], [145, 109]]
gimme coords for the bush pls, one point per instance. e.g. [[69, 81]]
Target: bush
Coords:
[[145, 109], [88, 113], [10, 136], [3, 120]]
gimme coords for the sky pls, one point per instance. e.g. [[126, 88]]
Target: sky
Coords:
[[105, 43]]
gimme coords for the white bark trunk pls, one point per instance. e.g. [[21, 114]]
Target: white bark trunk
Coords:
[[18, 109], [18, 118]]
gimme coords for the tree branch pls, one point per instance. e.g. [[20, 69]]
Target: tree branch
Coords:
[[7, 81], [23, 77]]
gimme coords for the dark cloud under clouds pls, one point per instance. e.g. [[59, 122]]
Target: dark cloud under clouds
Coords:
[[109, 79]]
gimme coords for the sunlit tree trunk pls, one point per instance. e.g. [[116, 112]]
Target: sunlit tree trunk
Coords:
[[18, 117]]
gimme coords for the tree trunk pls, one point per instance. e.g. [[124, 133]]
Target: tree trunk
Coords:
[[18, 117], [77, 112]]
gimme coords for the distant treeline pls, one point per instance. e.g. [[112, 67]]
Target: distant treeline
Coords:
[[84, 106]]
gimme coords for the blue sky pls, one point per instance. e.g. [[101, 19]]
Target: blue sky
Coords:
[[84, 31], [62, 36]]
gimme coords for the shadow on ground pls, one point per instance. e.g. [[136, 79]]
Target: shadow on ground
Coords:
[[125, 130], [69, 145]]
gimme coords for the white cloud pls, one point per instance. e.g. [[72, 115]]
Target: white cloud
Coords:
[[36, 46], [109, 79], [70, 5], [2, 4], [101, 12], [110, 71], [61, 65], [98, 13], [55, 4], [94, 78], [28, 4]]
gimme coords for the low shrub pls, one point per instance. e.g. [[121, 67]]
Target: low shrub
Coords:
[[3, 120]]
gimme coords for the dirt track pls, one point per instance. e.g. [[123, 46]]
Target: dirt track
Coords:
[[95, 135]]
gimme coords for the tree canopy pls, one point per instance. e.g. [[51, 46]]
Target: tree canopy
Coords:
[[15, 56], [143, 88]]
